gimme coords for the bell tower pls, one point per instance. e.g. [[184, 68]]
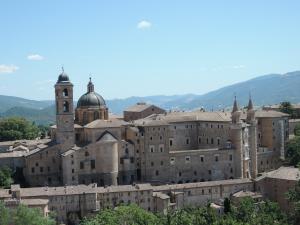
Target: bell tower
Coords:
[[64, 112]]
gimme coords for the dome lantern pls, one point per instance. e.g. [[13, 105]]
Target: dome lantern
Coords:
[[91, 99]]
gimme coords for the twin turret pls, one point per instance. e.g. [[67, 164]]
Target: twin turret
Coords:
[[244, 137]]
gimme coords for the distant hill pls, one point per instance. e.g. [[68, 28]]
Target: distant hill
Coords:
[[265, 90], [39, 116], [8, 102]]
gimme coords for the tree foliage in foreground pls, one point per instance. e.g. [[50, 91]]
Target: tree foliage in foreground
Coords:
[[293, 151], [247, 213], [294, 198], [5, 177], [16, 128], [23, 215]]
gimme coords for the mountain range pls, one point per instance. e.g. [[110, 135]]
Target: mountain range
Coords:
[[265, 90]]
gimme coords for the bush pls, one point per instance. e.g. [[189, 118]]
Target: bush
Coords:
[[15, 128]]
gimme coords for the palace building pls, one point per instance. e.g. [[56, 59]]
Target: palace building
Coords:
[[152, 145]]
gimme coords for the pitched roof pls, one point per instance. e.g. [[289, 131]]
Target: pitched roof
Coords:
[[106, 123], [75, 126], [269, 113], [107, 137], [177, 117], [139, 107], [284, 173], [201, 184]]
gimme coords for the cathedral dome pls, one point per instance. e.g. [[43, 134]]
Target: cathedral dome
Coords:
[[91, 98]]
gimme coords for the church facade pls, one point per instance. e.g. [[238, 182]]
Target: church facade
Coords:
[[178, 147]]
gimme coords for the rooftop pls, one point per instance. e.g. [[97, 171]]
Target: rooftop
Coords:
[[242, 194], [177, 117], [139, 107], [106, 123], [200, 184], [284, 173]]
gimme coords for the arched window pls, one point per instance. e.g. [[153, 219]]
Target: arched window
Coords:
[[96, 115], [65, 92], [85, 117], [66, 106]]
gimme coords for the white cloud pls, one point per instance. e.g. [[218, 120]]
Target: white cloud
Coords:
[[238, 67], [144, 24], [35, 57], [8, 68]]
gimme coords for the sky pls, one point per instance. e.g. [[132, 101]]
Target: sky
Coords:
[[142, 48]]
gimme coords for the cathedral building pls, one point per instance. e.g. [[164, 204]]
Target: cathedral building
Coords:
[[159, 148]]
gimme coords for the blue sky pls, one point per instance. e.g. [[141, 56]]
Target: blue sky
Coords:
[[140, 48]]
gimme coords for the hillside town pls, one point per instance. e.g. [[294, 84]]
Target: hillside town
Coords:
[[157, 159]]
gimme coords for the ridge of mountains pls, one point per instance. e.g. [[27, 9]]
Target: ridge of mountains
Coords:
[[265, 90]]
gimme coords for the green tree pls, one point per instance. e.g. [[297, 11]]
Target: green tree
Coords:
[[297, 130], [24, 215], [286, 107], [123, 215], [44, 130], [294, 197], [248, 212], [5, 177], [4, 214], [293, 151], [15, 128]]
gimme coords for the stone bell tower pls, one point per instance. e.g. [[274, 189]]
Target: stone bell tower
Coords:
[[64, 112]]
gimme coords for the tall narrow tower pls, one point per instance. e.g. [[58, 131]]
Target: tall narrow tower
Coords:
[[237, 140], [252, 138], [64, 112]]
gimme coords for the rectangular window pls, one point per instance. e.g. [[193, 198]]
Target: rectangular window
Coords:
[[151, 148], [161, 148], [171, 142], [216, 158], [131, 160], [187, 141], [93, 164], [230, 157], [81, 165], [202, 158], [121, 161], [187, 159], [172, 161], [32, 170], [41, 169]]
